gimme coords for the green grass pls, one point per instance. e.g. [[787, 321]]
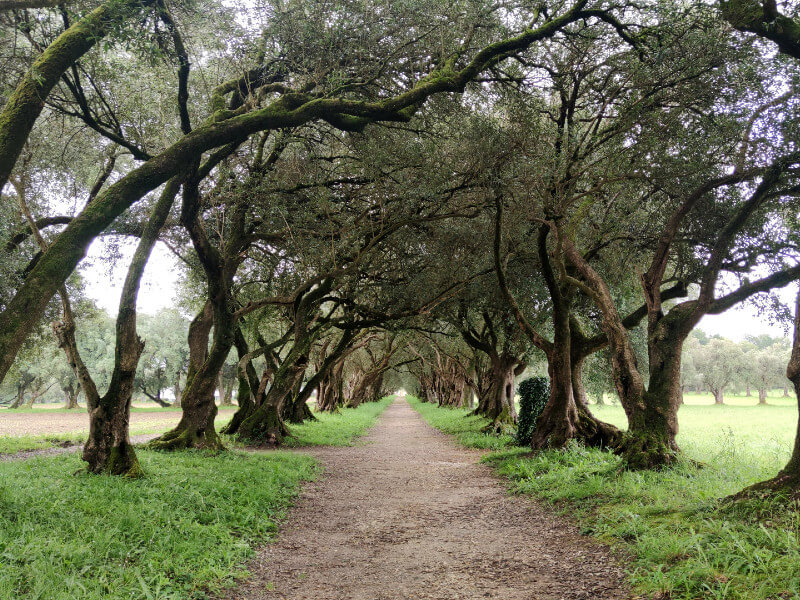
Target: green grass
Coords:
[[181, 532], [10, 444], [456, 422], [681, 542], [337, 429]]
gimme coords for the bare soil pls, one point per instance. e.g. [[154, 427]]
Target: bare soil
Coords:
[[409, 515], [19, 423]]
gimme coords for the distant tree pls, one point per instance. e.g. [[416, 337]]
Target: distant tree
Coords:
[[769, 368], [166, 355], [720, 363]]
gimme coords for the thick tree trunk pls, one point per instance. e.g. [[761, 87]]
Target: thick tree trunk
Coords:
[[331, 366], [498, 403], [108, 449], [718, 397], [177, 391], [19, 399], [653, 421], [581, 398], [35, 395], [295, 408], [329, 392], [652, 413], [265, 426], [747, 392], [225, 394], [251, 390], [762, 395], [196, 427], [566, 415], [71, 400]]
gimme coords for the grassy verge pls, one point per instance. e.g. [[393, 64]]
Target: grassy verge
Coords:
[[181, 532], [458, 423], [683, 544], [10, 444], [338, 429]]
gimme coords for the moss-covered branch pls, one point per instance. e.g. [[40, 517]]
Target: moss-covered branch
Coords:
[[25, 103]]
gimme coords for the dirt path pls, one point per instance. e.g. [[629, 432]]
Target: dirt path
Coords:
[[411, 516]]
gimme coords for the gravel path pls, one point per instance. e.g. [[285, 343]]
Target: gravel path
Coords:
[[409, 515]]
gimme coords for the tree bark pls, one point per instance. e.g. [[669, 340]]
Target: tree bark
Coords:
[[109, 449], [251, 390], [177, 391], [196, 427], [498, 403], [762, 395], [329, 392], [562, 419], [265, 426], [225, 394], [579, 391]]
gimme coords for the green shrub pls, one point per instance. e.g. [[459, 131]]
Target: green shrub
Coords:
[[533, 395]]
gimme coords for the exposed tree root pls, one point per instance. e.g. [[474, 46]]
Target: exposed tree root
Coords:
[[504, 423], [185, 438], [557, 431], [264, 428], [645, 452], [784, 486], [121, 461]]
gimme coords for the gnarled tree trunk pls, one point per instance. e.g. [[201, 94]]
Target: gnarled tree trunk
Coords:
[[196, 427], [498, 403]]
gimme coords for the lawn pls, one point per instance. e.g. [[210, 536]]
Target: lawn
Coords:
[[184, 529], [181, 532], [678, 540]]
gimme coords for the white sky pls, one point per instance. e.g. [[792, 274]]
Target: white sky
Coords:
[[104, 280], [158, 291]]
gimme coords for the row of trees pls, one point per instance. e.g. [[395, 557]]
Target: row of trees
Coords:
[[440, 194], [41, 372], [718, 365]]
